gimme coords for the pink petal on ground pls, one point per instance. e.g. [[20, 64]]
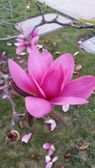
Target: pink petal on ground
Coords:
[[81, 87], [26, 137], [55, 159], [20, 77], [37, 64], [52, 82], [37, 107], [49, 165], [51, 151], [52, 123], [47, 159], [47, 145], [68, 100], [67, 62], [50, 147]]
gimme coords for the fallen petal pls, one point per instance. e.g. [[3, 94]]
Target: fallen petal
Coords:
[[50, 152], [26, 137], [49, 165], [55, 159], [52, 123], [47, 145], [50, 147], [47, 159]]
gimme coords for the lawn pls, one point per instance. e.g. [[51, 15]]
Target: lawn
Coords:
[[80, 126]]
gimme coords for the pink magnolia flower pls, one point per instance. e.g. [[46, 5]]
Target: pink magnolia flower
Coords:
[[48, 83], [52, 124], [28, 42]]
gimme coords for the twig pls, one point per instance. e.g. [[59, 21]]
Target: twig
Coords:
[[15, 115], [44, 21]]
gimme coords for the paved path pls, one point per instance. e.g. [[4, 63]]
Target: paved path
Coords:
[[46, 28], [73, 8]]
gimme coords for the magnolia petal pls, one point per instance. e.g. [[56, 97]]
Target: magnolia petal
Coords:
[[55, 159], [52, 123], [81, 87], [20, 77], [37, 107], [50, 151], [65, 107], [50, 147], [47, 159], [68, 100], [26, 137], [49, 165], [47, 57], [20, 49], [38, 64], [23, 80], [47, 145], [67, 62], [52, 82]]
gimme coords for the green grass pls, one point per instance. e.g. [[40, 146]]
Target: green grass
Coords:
[[81, 126]]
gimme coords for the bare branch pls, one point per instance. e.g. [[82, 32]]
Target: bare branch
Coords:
[[8, 38], [74, 24]]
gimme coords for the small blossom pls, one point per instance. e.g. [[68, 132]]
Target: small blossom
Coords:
[[26, 137], [52, 124], [27, 43]]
